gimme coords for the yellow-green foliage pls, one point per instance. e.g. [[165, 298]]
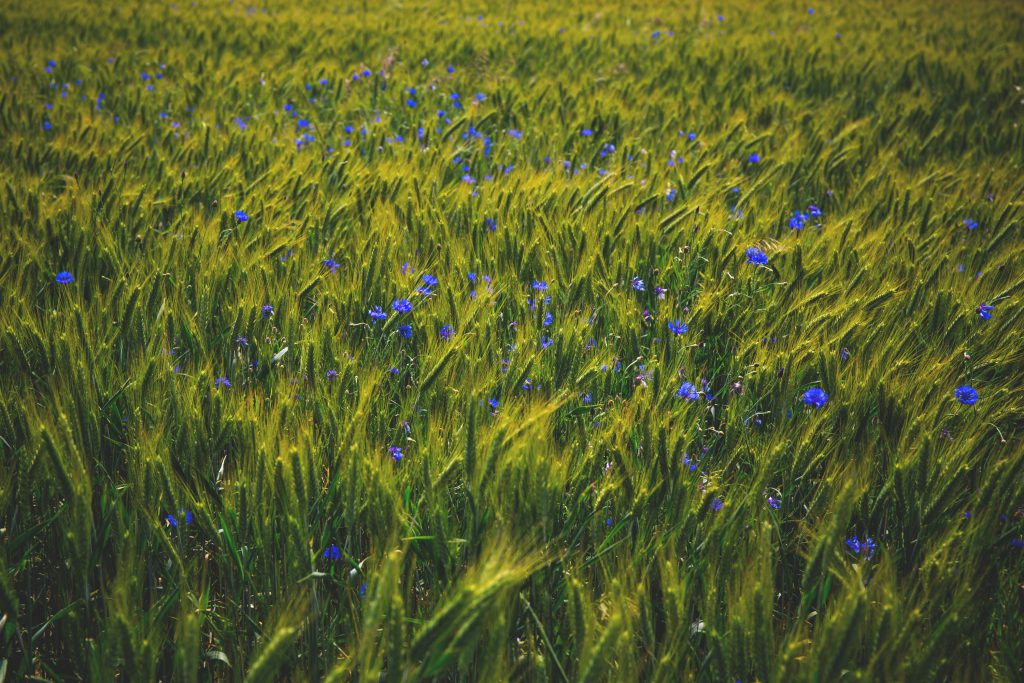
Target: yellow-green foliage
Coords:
[[572, 533]]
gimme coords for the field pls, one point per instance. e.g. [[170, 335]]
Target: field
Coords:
[[634, 341]]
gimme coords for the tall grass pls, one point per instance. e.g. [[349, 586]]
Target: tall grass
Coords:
[[156, 524]]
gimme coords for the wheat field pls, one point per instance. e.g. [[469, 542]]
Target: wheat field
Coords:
[[641, 341]]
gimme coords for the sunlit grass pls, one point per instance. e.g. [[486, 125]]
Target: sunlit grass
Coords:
[[532, 497]]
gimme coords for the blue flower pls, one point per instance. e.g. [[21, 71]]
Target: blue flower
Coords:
[[429, 282], [678, 327], [586, 132], [540, 285], [377, 314], [267, 310], [491, 224], [241, 216], [515, 134], [446, 332], [405, 331], [332, 552], [757, 257], [65, 278], [754, 158], [716, 504], [548, 319], [396, 453], [774, 503], [638, 284], [401, 305], [859, 547], [545, 342], [47, 125], [331, 264], [985, 311], [222, 382], [966, 395], [493, 403], [687, 391], [798, 220], [970, 223], [332, 374], [815, 397]]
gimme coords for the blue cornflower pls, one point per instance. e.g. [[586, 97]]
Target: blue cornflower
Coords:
[[446, 332], [757, 257], [985, 311], [716, 504], [859, 547], [815, 397], [586, 132], [687, 391], [540, 285], [970, 223], [65, 278], [798, 220], [47, 125], [527, 384], [222, 382], [515, 134], [774, 503], [638, 284], [813, 211], [396, 453], [331, 264], [966, 395], [241, 216], [332, 552], [405, 331], [491, 224], [545, 342], [493, 403], [429, 282], [678, 327], [548, 319], [332, 374], [267, 310], [185, 514], [401, 305], [377, 314], [754, 158]]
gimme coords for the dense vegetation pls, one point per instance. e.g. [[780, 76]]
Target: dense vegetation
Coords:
[[697, 357]]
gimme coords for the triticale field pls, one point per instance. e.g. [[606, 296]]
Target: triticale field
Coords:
[[656, 340]]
